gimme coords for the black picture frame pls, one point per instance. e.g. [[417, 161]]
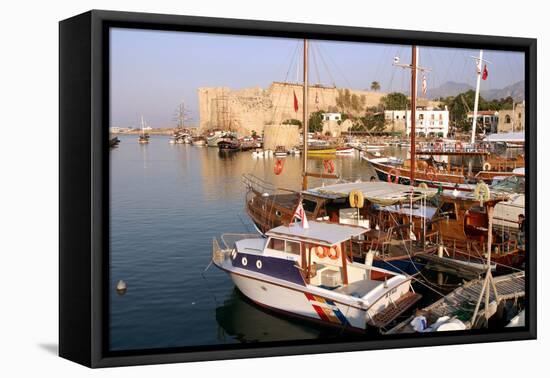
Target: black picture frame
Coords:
[[84, 184]]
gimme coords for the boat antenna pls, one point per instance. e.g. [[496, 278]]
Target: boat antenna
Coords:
[[413, 112], [479, 60], [305, 122]]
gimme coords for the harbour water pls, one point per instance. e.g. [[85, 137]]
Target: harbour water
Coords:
[[168, 202]]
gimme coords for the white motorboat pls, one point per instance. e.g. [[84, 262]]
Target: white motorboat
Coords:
[[308, 272]]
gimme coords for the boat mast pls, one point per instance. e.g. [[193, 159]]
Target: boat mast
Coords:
[[305, 127], [142, 126], [476, 102], [413, 112]]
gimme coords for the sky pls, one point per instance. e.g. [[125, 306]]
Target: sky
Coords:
[[153, 71]]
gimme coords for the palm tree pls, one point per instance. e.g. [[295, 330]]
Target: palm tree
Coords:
[[375, 86]]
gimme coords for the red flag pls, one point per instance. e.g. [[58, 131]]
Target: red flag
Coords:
[[485, 73], [295, 102]]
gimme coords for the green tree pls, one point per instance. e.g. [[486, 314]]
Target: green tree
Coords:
[[373, 121], [395, 101], [375, 86], [316, 122], [292, 121]]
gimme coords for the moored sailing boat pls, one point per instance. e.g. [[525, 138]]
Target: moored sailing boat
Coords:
[[143, 136]]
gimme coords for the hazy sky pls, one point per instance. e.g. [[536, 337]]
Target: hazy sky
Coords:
[[152, 71]]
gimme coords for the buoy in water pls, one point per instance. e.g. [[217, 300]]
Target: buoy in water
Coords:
[[121, 287]]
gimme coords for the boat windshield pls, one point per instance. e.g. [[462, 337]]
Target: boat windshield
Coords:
[[512, 184]]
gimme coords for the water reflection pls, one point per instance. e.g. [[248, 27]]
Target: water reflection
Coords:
[[246, 322]]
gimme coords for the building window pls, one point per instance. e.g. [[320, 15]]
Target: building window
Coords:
[[507, 119], [519, 115]]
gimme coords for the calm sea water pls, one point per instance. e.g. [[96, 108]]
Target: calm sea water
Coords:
[[168, 202]]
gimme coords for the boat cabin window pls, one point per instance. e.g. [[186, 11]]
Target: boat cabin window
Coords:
[[284, 246], [276, 244], [292, 247], [309, 206], [448, 209]]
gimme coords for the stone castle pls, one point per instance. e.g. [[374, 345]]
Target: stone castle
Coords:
[[252, 109]]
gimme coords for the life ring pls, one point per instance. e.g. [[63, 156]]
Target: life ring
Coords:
[[278, 169], [459, 146], [395, 173], [438, 146], [329, 166], [487, 166], [482, 192], [320, 252], [356, 199], [334, 253]]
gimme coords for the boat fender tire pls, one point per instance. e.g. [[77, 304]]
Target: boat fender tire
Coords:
[[356, 199], [259, 264], [487, 166], [244, 261], [393, 172]]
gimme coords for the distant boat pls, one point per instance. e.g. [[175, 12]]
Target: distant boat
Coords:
[[344, 150], [113, 141], [198, 141], [229, 144], [321, 148], [280, 151], [143, 136]]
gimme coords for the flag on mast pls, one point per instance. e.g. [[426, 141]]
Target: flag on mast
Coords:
[[485, 73], [301, 214], [295, 102]]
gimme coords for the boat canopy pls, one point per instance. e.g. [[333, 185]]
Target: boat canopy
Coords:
[[518, 137], [377, 192], [322, 233]]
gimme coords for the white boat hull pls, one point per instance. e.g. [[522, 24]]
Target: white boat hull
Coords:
[[297, 303]]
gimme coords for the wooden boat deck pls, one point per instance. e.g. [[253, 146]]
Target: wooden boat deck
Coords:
[[461, 302], [460, 268]]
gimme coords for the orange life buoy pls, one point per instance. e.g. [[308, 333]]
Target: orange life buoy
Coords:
[[395, 173], [329, 166], [459, 146], [334, 253], [278, 167], [320, 252]]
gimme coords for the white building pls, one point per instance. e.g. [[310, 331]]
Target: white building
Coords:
[[429, 122], [332, 116]]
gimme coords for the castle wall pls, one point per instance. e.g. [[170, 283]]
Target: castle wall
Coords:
[[251, 109]]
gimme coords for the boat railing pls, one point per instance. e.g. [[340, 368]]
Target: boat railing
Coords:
[[230, 239], [218, 255], [257, 184]]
